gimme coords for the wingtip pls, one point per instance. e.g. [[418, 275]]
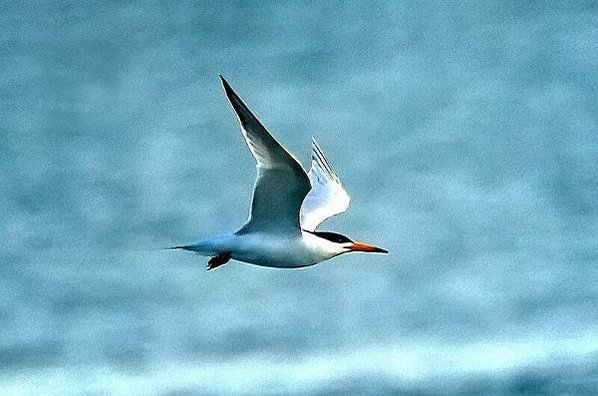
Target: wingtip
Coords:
[[314, 142], [229, 91], [320, 158], [224, 83]]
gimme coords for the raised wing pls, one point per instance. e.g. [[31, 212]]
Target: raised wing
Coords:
[[281, 184], [327, 196]]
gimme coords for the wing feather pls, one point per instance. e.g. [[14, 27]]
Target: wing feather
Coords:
[[327, 196], [281, 184]]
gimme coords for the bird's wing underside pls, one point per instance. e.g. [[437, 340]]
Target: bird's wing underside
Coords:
[[281, 184], [327, 196]]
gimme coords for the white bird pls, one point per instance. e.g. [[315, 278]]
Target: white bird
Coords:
[[288, 204]]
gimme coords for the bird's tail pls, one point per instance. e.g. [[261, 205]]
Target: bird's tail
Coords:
[[209, 247], [203, 248], [182, 247]]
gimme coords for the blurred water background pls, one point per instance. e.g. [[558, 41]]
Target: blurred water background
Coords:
[[466, 133]]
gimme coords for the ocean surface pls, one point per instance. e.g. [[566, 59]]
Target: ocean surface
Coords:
[[466, 133]]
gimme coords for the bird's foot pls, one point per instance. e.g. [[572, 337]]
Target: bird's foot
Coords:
[[219, 260]]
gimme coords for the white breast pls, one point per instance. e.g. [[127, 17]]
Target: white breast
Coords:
[[276, 251]]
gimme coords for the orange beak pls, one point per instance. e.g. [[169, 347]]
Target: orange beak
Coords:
[[366, 247]]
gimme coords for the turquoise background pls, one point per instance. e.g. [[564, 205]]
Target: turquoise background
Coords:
[[466, 133]]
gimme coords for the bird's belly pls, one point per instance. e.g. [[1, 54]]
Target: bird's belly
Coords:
[[274, 252]]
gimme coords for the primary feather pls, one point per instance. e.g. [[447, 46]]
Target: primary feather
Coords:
[[281, 184], [327, 196]]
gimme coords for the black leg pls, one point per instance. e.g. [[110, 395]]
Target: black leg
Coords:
[[219, 260]]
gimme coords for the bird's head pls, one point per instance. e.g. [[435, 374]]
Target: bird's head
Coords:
[[344, 244]]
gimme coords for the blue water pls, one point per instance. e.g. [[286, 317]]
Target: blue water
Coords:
[[466, 134]]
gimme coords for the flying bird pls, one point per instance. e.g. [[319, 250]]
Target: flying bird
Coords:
[[288, 204]]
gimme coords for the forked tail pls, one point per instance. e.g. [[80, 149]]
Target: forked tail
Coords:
[[181, 247], [208, 247]]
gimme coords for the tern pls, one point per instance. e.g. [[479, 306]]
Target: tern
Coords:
[[287, 206]]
